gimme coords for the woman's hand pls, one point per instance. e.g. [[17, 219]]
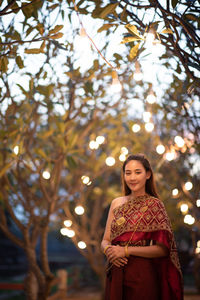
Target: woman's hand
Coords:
[[116, 256]]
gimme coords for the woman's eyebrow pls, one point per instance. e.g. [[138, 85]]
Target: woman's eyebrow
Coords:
[[133, 170]]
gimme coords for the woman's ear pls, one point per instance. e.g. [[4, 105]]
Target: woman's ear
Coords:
[[148, 175]]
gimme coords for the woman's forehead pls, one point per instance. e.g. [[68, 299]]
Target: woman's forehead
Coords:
[[134, 164]]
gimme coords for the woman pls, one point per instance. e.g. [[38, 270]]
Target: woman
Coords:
[[138, 241]]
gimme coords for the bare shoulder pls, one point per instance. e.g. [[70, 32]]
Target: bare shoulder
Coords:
[[118, 201]]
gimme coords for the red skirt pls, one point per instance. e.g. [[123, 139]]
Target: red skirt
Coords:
[[138, 280]]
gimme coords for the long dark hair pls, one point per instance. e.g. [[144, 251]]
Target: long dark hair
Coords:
[[150, 187]]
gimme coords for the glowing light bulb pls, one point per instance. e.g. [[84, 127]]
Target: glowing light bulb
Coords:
[[170, 156], [70, 233], [146, 116], [197, 250], [160, 149], [188, 186], [151, 98], [85, 179], [175, 192], [150, 38], [122, 157], [79, 210], [188, 219], [100, 139], [138, 75], [116, 86], [63, 231], [124, 150], [82, 245], [110, 161], [67, 223], [198, 202], [136, 128], [198, 244], [149, 127], [16, 150], [179, 141], [184, 208], [93, 145], [46, 175]]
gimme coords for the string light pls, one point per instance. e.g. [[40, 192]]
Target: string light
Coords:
[[179, 141], [116, 86], [146, 116], [122, 157], [198, 202], [67, 232], [149, 127], [46, 175], [137, 74], [79, 210], [160, 149], [151, 98], [124, 150], [100, 139], [110, 161], [188, 219], [136, 128], [188, 186], [82, 245], [175, 192], [16, 150], [170, 156], [85, 179], [93, 145], [184, 208], [67, 223]]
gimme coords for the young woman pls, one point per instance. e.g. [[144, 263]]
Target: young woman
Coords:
[[139, 242]]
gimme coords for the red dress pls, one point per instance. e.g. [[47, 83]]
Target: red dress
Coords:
[[144, 221]]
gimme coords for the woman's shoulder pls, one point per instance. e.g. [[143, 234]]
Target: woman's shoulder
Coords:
[[118, 201]]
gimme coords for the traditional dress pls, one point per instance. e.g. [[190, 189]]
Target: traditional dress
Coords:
[[143, 221]]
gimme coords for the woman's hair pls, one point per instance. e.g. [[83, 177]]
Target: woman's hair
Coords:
[[150, 187]]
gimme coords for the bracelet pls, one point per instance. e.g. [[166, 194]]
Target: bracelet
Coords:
[[126, 251], [105, 249]]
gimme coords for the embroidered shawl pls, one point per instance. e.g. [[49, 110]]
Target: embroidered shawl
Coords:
[[145, 214]]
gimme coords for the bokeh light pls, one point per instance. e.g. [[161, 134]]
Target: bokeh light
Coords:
[[110, 161], [184, 208], [93, 145], [82, 245], [188, 186], [136, 128], [85, 179], [175, 192], [79, 210], [149, 127], [16, 150], [46, 175], [179, 141], [122, 157], [188, 219], [67, 223], [100, 139], [160, 149]]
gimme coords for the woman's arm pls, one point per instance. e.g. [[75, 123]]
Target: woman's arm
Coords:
[[158, 250], [106, 246]]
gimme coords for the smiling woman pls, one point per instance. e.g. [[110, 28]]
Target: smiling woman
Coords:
[[139, 242]]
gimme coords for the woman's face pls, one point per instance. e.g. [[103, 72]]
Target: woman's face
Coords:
[[135, 177]]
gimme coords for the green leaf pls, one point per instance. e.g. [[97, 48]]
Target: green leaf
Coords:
[[167, 30], [174, 3], [19, 62], [134, 51], [130, 39], [56, 29], [108, 9], [105, 27], [71, 162]]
